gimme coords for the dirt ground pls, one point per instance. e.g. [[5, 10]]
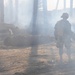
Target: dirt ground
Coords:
[[35, 60]]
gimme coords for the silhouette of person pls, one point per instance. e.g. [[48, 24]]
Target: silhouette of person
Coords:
[[63, 35]]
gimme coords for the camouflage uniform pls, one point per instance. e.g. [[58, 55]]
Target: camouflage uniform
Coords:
[[63, 36], [63, 33]]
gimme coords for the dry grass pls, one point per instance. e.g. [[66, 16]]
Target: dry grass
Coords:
[[14, 60], [19, 60]]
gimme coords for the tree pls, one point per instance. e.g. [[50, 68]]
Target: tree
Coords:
[[11, 10], [45, 11], [2, 11], [64, 4], [16, 11], [45, 16], [34, 18], [57, 4], [71, 7]]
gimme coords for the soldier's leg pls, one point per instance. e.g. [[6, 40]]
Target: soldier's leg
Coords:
[[69, 53], [61, 53], [59, 45], [68, 47]]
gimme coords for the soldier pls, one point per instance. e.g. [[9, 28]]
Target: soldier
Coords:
[[63, 35]]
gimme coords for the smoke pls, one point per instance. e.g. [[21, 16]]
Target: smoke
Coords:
[[25, 13], [25, 9]]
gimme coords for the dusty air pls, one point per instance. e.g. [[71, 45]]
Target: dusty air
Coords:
[[37, 37]]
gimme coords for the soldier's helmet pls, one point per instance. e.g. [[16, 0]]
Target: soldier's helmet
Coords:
[[65, 15]]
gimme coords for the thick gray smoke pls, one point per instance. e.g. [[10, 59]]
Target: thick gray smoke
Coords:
[[24, 12]]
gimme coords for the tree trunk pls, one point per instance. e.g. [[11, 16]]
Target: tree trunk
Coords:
[[45, 16], [34, 18], [64, 4], [71, 7], [2, 11], [16, 11], [57, 4], [11, 11], [45, 11]]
